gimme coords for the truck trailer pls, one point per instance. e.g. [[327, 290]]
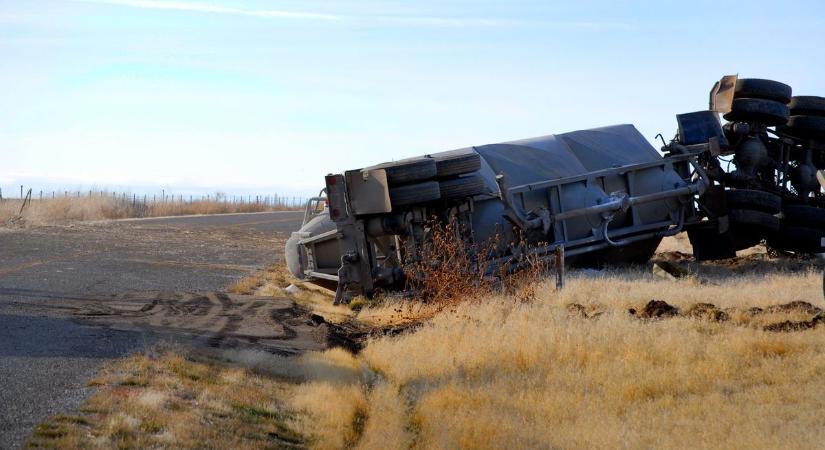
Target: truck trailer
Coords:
[[597, 196]]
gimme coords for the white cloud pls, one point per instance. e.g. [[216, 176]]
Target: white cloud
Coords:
[[369, 19], [218, 9]]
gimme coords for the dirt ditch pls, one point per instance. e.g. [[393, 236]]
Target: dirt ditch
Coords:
[[774, 318], [216, 319], [229, 321]]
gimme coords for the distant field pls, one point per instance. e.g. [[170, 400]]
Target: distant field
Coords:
[[100, 206], [592, 366]]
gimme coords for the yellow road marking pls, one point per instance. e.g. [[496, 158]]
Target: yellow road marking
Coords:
[[29, 265], [248, 223], [19, 267], [235, 267]]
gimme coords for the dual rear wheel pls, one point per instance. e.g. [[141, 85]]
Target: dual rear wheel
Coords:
[[449, 175], [752, 216], [803, 230], [761, 101], [807, 120]]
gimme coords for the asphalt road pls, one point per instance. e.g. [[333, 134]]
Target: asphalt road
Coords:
[[46, 354], [268, 222]]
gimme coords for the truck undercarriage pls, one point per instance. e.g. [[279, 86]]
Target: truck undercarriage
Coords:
[[602, 196]]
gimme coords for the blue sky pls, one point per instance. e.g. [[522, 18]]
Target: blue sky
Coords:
[[268, 96]]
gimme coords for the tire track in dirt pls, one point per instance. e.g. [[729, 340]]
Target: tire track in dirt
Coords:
[[55, 280], [213, 319]]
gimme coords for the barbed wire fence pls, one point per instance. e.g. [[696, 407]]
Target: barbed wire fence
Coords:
[[140, 205], [161, 197]]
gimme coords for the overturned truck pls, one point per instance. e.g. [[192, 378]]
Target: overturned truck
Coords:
[[603, 195]]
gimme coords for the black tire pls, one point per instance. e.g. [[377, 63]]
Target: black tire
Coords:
[[798, 239], [745, 239], [806, 126], [805, 216], [408, 171], [757, 200], [458, 162], [768, 112], [750, 220], [807, 105], [459, 188], [764, 89], [412, 194]]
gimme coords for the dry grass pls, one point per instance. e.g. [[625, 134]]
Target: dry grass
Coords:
[[274, 277], [168, 401], [101, 207], [500, 373], [273, 281], [339, 423]]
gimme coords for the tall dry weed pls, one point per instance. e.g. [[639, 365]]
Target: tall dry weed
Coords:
[[449, 267], [104, 206]]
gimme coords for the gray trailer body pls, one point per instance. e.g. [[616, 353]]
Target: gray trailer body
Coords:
[[605, 195]]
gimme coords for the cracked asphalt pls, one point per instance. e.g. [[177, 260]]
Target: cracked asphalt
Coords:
[[47, 354]]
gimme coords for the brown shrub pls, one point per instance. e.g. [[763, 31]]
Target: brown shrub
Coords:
[[447, 268]]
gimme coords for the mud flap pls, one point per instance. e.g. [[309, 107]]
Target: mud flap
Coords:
[[709, 244]]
